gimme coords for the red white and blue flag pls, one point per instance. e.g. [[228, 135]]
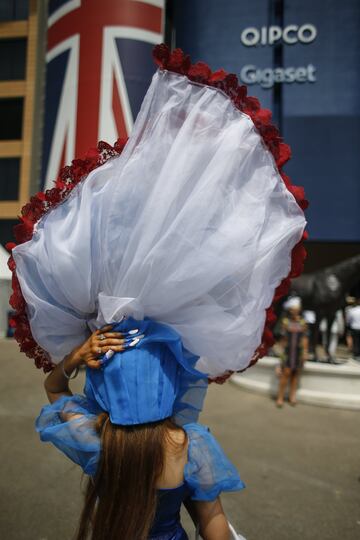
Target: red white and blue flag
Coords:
[[99, 66]]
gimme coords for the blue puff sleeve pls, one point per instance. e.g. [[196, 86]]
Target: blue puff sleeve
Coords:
[[208, 471], [77, 437]]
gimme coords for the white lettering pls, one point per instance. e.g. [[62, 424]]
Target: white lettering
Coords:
[[268, 35], [290, 76], [311, 73], [267, 77], [248, 74], [307, 33], [250, 36], [286, 34], [279, 75], [275, 33], [263, 35]]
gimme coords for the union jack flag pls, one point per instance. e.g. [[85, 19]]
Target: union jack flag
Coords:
[[98, 68]]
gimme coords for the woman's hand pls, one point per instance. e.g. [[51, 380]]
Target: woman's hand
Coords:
[[57, 384], [100, 341]]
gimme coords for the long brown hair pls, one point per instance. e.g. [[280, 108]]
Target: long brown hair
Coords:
[[120, 502]]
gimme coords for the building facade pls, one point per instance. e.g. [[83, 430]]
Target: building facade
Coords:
[[74, 71]]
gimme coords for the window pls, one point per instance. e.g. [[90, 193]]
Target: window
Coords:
[[14, 10], [12, 59], [9, 178], [11, 112]]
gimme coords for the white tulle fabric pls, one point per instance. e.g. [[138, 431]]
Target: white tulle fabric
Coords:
[[192, 226]]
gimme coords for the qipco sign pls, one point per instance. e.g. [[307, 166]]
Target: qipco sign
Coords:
[[270, 35]]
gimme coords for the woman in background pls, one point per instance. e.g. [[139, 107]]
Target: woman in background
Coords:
[[295, 342]]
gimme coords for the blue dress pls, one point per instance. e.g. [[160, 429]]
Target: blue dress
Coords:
[[167, 524], [207, 472]]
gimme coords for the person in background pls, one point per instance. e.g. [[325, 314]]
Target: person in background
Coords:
[[295, 342], [310, 319], [353, 322], [337, 330]]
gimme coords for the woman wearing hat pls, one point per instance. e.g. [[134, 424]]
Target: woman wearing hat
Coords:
[[133, 434], [295, 342], [182, 242]]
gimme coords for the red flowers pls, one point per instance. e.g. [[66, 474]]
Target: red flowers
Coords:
[[161, 55], [227, 82], [31, 212], [284, 154], [299, 194], [177, 62], [298, 255], [199, 72]]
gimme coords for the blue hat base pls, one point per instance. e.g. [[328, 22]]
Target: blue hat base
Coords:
[[143, 383]]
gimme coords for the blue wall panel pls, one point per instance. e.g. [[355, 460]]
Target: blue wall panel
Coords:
[[319, 117]]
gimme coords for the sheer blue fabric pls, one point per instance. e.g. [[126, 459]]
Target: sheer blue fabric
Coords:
[[76, 438], [152, 379], [189, 399], [207, 472]]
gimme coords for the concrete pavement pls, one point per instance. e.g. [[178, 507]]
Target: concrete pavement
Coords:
[[301, 466]]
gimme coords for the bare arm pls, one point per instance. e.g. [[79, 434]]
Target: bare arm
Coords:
[[212, 520], [56, 384], [305, 346]]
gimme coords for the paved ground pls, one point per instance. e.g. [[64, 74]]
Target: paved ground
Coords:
[[301, 466]]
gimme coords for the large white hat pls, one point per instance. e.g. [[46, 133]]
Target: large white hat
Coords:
[[192, 225]]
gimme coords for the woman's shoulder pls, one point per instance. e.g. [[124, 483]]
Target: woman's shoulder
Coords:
[[196, 429], [208, 470], [197, 433], [177, 436], [193, 428], [204, 451]]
